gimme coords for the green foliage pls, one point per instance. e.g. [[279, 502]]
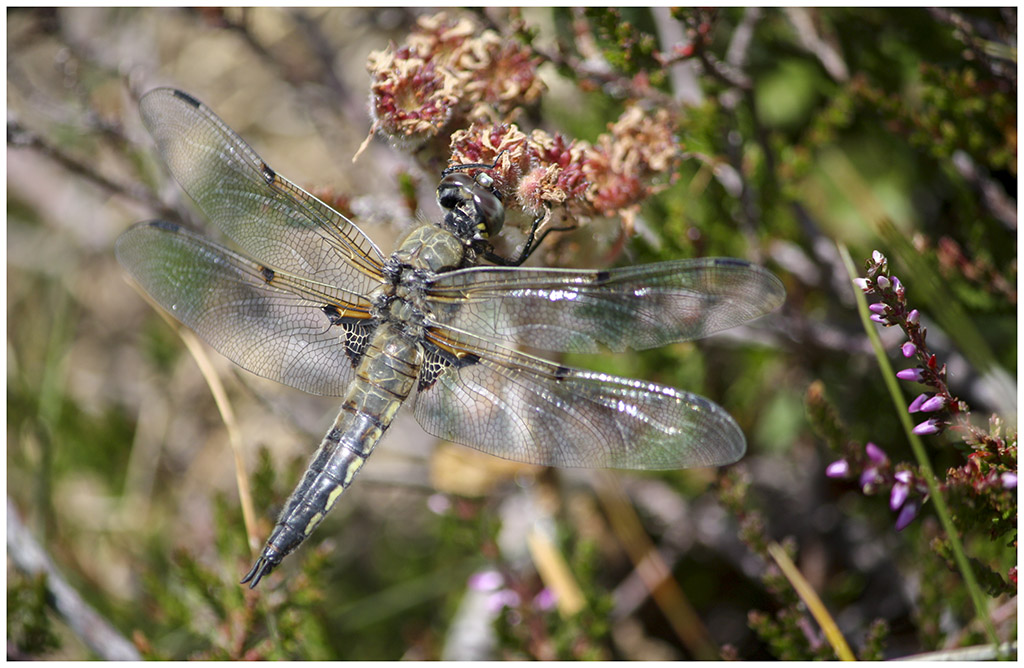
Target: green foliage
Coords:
[[29, 624], [628, 48]]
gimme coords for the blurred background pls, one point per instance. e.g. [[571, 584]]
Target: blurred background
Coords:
[[892, 130]]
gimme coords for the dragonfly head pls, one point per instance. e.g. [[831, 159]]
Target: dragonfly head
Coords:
[[472, 205]]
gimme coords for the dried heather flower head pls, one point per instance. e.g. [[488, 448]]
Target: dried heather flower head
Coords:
[[448, 70], [503, 145], [638, 147], [411, 99]]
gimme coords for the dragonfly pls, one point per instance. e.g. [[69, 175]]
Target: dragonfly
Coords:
[[310, 301]]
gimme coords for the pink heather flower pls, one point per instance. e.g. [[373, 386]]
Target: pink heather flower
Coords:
[[488, 580], [916, 404], [862, 283], [897, 287], [915, 375], [883, 282], [908, 349], [438, 504], [900, 492], [875, 453], [877, 257], [877, 307], [1009, 480], [545, 599], [838, 469], [927, 427], [934, 404], [913, 317], [907, 514], [877, 318]]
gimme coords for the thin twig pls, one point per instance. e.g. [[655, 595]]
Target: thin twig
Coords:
[[20, 137]]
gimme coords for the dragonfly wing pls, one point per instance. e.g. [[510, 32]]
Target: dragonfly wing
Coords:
[[520, 407], [269, 217], [276, 325], [639, 307]]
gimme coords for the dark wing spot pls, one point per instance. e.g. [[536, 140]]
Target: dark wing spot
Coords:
[[468, 359], [436, 361], [268, 274], [332, 313], [356, 338], [601, 277], [187, 98], [731, 262], [166, 226], [562, 372], [268, 174]]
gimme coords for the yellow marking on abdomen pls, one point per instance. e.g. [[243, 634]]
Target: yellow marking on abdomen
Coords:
[[313, 521], [350, 473], [333, 496]]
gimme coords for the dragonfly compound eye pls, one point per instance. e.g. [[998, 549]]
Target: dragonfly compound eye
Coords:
[[453, 190], [490, 210]]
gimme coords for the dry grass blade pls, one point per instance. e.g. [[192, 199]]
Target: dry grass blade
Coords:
[[810, 598], [195, 348], [653, 571], [555, 573]]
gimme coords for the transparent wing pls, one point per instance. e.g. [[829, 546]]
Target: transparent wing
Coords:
[[270, 218], [276, 325], [639, 307], [523, 408]]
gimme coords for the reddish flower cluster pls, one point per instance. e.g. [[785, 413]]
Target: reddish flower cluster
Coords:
[[448, 70], [542, 171], [621, 166], [451, 74]]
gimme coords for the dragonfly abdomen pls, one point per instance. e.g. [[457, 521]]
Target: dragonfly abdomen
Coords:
[[384, 379]]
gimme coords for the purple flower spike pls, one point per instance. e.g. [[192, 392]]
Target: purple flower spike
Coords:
[[913, 317], [908, 349], [862, 283], [877, 307], [877, 257], [838, 469], [877, 318], [915, 375], [897, 286], [907, 514], [883, 283], [904, 476], [927, 427], [936, 403], [875, 453], [1009, 480], [916, 404]]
